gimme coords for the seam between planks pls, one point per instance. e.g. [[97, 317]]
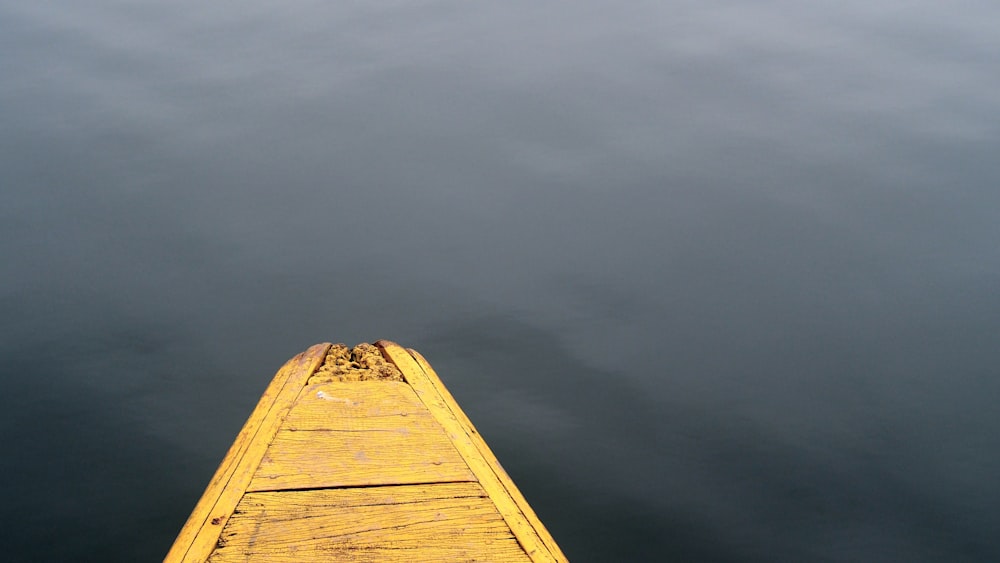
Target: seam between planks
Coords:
[[367, 486]]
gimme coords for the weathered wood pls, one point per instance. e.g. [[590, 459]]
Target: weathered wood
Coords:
[[530, 532], [411, 523], [355, 434], [200, 533], [361, 455]]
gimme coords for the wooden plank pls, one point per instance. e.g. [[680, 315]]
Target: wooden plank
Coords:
[[440, 522], [200, 533], [521, 519], [487, 453], [351, 434], [327, 405], [361, 455]]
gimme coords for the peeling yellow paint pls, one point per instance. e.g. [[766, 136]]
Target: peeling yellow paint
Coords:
[[361, 455]]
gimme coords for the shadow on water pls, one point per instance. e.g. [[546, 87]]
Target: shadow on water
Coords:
[[91, 485], [536, 404], [619, 474], [93, 482]]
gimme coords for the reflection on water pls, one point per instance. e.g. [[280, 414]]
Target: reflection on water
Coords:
[[716, 281]]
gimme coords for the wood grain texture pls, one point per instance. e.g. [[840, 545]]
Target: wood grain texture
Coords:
[[349, 467], [515, 494], [360, 433], [201, 531], [411, 523], [527, 528]]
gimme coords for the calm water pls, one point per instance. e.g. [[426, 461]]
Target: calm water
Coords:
[[718, 281]]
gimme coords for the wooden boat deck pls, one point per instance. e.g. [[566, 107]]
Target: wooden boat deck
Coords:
[[361, 455]]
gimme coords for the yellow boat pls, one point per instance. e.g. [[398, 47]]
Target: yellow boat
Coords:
[[361, 455]]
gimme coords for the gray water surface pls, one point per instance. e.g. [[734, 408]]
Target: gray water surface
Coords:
[[717, 281]]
